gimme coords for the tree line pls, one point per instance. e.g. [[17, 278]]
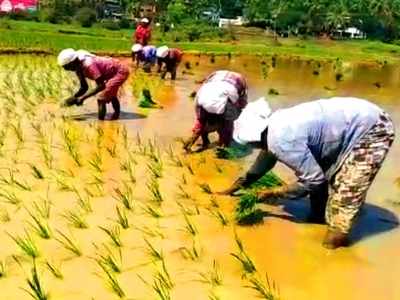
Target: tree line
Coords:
[[377, 18]]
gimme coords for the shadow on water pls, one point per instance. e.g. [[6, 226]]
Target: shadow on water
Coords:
[[373, 219], [93, 116]]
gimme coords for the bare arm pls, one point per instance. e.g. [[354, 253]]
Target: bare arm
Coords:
[[83, 85], [264, 163], [100, 86]]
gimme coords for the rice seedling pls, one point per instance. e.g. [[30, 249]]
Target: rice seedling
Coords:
[[84, 202], [205, 188], [125, 139], [164, 277], [265, 290], [54, 269], [153, 152], [124, 196], [43, 209], [189, 167], [36, 172], [122, 218], [68, 243], [63, 184], [71, 146], [192, 253], [113, 283], [154, 253], [183, 179], [27, 244], [219, 168], [3, 268], [190, 227], [114, 234], [214, 203], [188, 211], [150, 231], [162, 283], [76, 219], [154, 189], [47, 155], [183, 194], [152, 211], [112, 151], [4, 215], [19, 134], [36, 289], [40, 226], [212, 277], [220, 216], [96, 162], [11, 180], [155, 168], [110, 261], [246, 262], [175, 159]]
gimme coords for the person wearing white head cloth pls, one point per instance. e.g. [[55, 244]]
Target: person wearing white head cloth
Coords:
[[335, 146], [136, 49], [168, 60], [219, 102], [108, 73]]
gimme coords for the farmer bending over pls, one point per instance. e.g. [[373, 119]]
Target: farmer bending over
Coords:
[[146, 54], [108, 73], [219, 102], [338, 143], [170, 58]]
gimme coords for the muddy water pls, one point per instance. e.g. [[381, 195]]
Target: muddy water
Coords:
[[290, 251], [284, 247]]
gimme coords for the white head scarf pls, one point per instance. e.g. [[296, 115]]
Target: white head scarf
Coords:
[[252, 122], [137, 48], [66, 56], [162, 52], [213, 96]]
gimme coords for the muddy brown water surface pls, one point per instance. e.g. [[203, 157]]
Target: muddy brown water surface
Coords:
[[285, 247]]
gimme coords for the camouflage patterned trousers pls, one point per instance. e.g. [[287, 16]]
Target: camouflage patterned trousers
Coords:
[[351, 182]]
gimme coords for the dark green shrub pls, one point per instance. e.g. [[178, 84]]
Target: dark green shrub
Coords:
[[86, 17], [111, 25], [193, 33], [124, 23]]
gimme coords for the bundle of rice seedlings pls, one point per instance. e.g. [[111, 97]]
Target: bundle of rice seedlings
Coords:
[[27, 244], [246, 212]]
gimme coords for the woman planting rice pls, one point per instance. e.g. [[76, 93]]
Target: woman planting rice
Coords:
[[108, 73], [335, 146], [219, 102]]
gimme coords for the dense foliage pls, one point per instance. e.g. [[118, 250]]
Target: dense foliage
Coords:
[[378, 18]]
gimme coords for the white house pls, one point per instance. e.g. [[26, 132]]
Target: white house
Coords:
[[239, 21]]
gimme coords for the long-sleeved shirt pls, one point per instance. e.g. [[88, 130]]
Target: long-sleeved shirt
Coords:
[[149, 54], [315, 138], [142, 35]]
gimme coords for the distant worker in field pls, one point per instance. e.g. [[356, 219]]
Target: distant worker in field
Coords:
[[108, 73], [168, 61], [335, 146], [142, 33], [146, 55], [219, 102]]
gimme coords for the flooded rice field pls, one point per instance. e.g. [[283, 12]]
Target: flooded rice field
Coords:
[[115, 209]]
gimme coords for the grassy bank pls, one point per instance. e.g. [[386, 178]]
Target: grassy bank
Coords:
[[30, 36]]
